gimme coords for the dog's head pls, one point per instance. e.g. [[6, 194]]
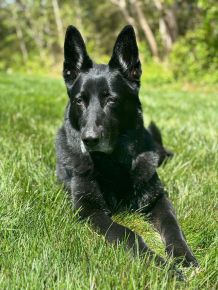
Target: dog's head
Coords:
[[103, 98]]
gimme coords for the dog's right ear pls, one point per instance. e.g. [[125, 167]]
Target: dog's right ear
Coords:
[[76, 58]]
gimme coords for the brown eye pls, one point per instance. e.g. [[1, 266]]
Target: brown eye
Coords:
[[79, 101]]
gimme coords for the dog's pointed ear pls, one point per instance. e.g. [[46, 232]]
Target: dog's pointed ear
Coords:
[[76, 58], [125, 55]]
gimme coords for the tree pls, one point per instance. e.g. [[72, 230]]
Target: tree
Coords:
[[19, 32], [58, 21], [136, 4], [122, 4]]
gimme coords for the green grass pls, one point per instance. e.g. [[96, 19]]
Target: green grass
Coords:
[[43, 245]]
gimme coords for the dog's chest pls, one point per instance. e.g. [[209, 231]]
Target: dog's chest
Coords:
[[114, 180]]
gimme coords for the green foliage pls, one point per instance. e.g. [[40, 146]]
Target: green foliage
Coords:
[[34, 65], [44, 245], [191, 57], [153, 72], [32, 35], [156, 73], [195, 55]]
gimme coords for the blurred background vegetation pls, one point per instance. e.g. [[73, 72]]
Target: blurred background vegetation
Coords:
[[178, 39]]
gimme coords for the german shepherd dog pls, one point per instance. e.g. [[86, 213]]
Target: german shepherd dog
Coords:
[[106, 158]]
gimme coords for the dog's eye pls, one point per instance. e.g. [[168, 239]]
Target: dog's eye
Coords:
[[79, 101]]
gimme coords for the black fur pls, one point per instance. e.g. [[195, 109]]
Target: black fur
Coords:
[[106, 159]]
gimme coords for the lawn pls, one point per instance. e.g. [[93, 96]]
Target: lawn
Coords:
[[43, 245]]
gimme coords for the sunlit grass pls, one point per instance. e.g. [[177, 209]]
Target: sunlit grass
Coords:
[[43, 245]]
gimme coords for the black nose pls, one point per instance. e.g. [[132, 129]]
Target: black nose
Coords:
[[90, 141]]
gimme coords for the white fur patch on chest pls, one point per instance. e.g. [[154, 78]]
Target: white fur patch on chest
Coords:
[[82, 146]]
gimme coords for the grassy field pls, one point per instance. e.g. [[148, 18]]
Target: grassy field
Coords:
[[43, 245]]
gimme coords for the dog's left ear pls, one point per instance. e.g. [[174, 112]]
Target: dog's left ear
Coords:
[[125, 55]]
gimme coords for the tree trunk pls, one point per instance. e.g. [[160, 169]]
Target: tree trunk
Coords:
[[124, 10], [19, 34], [32, 29], [167, 24], [163, 28], [145, 28], [171, 20], [58, 21]]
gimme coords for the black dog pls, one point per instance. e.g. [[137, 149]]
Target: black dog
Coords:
[[105, 156]]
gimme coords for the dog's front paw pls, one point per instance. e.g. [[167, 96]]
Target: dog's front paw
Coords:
[[174, 272], [177, 273], [144, 165], [190, 261], [182, 255]]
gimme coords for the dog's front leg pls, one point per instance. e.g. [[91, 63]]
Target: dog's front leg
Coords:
[[88, 199], [163, 217], [152, 199]]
